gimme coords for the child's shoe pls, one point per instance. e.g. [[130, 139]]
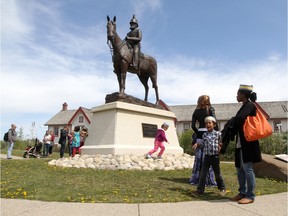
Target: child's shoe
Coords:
[[148, 156], [159, 157]]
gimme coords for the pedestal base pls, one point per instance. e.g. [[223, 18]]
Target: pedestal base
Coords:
[[123, 128]]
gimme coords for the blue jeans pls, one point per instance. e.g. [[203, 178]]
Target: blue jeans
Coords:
[[47, 145], [246, 179], [70, 149], [10, 148]]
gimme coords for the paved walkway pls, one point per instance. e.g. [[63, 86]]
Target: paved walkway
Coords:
[[270, 205]]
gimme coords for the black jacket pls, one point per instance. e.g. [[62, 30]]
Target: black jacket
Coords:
[[199, 116], [250, 150], [228, 134]]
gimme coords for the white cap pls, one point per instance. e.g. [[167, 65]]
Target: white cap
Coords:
[[166, 124], [210, 118]]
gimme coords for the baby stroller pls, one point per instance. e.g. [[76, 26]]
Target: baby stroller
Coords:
[[34, 151]]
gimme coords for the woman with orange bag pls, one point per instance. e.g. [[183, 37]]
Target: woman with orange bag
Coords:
[[246, 153]]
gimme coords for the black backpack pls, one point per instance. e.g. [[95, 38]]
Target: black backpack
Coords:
[[5, 138]]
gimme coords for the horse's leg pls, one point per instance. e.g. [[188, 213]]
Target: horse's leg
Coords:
[[144, 81], [154, 85], [117, 71], [124, 68], [119, 80]]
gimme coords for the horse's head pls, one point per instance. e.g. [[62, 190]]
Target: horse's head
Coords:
[[111, 28]]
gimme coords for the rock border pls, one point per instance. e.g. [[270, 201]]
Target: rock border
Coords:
[[126, 162]]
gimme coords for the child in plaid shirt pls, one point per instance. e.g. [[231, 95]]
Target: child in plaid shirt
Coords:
[[212, 145]]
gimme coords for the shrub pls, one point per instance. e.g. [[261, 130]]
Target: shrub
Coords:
[[185, 140], [274, 144]]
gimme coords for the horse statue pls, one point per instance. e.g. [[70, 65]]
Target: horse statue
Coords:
[[122, 61]]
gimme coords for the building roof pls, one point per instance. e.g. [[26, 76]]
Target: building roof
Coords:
[[65, 116], [276, 110]]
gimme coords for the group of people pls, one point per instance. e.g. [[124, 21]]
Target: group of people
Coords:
[[48, 141], [75, 140], [207, 143]]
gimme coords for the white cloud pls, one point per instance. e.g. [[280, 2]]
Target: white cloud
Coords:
[[182, 83], [141, 7], [13, 26]]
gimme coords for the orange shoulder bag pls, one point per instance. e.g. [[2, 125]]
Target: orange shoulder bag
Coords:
[[256, 127]]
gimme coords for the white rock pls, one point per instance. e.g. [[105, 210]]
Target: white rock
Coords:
[[89, 161]]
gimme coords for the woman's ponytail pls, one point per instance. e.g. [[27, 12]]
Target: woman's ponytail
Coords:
[[253, 97]]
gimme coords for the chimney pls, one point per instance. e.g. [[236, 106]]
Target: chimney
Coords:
[[64, 106]]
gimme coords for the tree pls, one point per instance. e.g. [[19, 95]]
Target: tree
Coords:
[[20, 133]]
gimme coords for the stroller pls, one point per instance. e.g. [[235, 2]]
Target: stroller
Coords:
[[34, 151]]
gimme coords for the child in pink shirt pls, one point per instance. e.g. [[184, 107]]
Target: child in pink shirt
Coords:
[[159, 141]]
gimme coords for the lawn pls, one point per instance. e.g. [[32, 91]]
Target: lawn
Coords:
[[34, 179]]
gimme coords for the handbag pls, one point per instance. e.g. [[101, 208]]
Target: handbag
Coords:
[[256, 127]]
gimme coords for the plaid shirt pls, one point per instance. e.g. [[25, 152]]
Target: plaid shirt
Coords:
[[211, 140]]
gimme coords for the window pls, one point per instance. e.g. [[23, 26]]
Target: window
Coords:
[[277, 125], [81, 119], [56, 131], [186, 126]]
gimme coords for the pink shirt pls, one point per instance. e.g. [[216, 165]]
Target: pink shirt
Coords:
[[161, 137]]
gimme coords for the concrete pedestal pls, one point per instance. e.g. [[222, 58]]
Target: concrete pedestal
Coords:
[[117, 128]]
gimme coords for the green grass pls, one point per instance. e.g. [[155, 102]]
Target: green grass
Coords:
[[35, 180]]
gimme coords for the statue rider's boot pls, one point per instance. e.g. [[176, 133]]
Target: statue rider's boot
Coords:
[[135, 63]]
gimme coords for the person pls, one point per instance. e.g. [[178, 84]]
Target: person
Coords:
[[70, 139], [12, 137], [51, 142], [246, 153], [76, 141], [83, 135], [134, 38], [202, 110], [211, 146], [159, 141], [63, 139], [47, 141]]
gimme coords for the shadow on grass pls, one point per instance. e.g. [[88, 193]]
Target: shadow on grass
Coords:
[[209, 196], [176, 180]]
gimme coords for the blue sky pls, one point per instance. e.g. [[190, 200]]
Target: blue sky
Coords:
[[56, 51]]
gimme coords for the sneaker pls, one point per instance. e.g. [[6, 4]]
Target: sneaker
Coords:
[[159, 157], [148, 156], [222, 192], [236, 198], [9, 158], [245, 201]]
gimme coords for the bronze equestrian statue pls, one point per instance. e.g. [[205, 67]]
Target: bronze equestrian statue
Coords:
[[123, 60]]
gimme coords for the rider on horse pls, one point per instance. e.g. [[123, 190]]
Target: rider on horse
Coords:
[[134, 38]]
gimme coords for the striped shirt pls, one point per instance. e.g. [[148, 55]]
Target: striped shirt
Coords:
[[211, 140]]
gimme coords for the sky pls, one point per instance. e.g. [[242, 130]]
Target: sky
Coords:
[[55, 51]]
